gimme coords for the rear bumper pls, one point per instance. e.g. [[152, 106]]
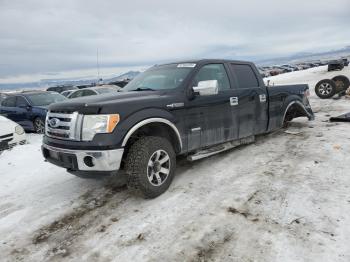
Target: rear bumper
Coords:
[[84, 160]]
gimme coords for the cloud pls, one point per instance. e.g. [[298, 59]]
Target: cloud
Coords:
[[53, 36]]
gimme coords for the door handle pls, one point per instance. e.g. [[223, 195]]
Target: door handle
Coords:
[[196, 129], [234, 101], [262, 98]]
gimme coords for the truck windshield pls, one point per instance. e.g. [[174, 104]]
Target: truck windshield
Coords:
[[159, 78], [45, 99]]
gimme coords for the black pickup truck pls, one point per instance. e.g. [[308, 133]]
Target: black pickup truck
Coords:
[[192, 108]]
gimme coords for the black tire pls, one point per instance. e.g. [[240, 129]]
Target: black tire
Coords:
[[325, 88], [144, 168], [39, 125], [342, 83]]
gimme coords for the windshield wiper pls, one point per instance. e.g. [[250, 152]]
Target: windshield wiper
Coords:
[[143, 89]]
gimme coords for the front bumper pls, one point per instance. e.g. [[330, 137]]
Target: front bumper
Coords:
[[10, 140], [84, 160]]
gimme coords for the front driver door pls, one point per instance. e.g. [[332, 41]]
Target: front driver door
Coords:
[[209, 118]]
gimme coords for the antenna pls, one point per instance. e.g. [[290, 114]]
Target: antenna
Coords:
[[98, 67]]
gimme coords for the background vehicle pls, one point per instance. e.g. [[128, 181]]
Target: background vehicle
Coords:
[[286, 68], [336, 65], [2, 97], [195, 108], [275, 72], [60, 89], [67, 93], [120, 83], [29, 108], [11, 134], [91, 91]]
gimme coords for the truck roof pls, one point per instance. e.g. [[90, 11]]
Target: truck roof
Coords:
[[204, 61]]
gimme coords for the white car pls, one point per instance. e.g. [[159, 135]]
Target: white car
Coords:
[[11, 134], [92, 91]]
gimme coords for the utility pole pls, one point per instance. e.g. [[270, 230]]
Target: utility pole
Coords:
[[98, 67]]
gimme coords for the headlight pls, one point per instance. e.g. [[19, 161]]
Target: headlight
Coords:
[[19, 130], [97, 124]]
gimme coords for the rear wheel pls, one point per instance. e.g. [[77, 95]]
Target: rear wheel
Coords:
[[39, 125], [150, 166], [325, 88]]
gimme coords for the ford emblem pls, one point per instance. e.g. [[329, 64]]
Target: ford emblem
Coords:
[[54, 122]]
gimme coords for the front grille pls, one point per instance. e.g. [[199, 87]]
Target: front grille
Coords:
[[6, 136], [65, 126]]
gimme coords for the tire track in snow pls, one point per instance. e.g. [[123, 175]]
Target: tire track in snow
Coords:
[[58, 237]]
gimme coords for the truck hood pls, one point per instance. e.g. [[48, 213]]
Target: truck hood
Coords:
[[94, 104]]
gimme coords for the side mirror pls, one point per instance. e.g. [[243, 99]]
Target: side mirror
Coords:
[[207, 88]]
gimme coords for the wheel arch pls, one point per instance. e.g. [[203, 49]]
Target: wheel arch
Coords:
[[293, 110], [163, 128]]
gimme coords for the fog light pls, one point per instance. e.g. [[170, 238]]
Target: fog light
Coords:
[[89, 161]]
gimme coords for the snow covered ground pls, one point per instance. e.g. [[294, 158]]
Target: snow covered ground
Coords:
[[284, 198]]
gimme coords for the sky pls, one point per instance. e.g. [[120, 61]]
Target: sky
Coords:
[[61, 38]]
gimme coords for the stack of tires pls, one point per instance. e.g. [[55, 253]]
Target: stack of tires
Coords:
[[327, 88]]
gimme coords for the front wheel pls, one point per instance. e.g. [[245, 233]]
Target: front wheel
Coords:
[[150, 166], [39, 125]]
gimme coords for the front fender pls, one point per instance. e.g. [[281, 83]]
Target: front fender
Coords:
[[122, 130]]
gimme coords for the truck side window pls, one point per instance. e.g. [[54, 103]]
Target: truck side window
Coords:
[[213, 72], [245, 76]]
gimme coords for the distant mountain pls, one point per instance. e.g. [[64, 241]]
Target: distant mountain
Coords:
[[44, 83], [307, 56], [128, 75], [18, 86]]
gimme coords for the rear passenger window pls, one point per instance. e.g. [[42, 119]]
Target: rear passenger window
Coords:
[[245, 76], [77, 94], [88, 93], [9, 102]]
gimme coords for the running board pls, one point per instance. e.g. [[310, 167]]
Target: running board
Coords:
[[220, 148]]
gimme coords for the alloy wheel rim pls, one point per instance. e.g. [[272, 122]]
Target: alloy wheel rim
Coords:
[[158, 167], [39, 126], [325, 89]]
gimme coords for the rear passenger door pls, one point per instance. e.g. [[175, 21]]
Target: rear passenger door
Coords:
[[209, 118], [252, 100]]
